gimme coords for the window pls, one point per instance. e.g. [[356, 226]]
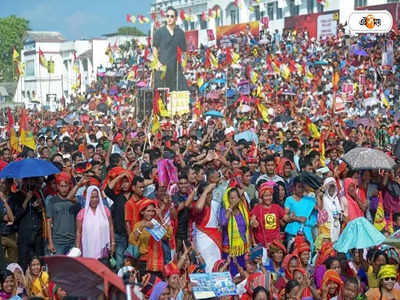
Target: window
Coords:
[[30, 68], [294, 9], [310, 6], [257, 12], [191, 25], [360, 3], [218, 21], [270, 11], [279, 12], [234, 19]]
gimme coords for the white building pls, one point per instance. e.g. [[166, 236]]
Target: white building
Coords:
[[41, 88], [255, 10]]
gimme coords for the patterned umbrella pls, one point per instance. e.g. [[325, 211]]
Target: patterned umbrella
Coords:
[[361, 158]]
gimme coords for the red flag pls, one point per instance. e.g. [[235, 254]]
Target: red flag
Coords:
[[229, 56], [207, 62], [178, 54], [182, 14], [155, 102], [210, 12], [203, 16], [236, 2], [292, 66], [146, 53], [162, 13], [153, 15], [10, 122], [128, 18]]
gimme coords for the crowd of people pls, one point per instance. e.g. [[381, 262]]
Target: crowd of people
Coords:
[[206, 194]]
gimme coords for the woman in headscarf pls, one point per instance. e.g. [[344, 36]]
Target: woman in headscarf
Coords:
[[331, 205], [353, 207], [8, 285], [331, 285], [19, 278], [324, 253], [387, 276], [151, 253], [274, 263], [290, 263], [94, 227], [234, 222]]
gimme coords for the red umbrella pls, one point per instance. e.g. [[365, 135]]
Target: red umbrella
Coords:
[[84, 277]]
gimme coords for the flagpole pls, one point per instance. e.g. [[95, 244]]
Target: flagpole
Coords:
[[177, 74], [40, 83]]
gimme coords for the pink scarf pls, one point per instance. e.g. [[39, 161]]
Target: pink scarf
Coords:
[[354, 211], [95, 227]]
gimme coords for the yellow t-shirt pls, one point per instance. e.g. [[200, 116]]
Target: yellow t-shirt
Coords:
[[373, 282], [37, 290]]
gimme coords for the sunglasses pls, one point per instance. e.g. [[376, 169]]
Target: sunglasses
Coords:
[[171, 16], [389, 279]]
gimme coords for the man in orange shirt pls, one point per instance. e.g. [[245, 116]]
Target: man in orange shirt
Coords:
[[132, 205]]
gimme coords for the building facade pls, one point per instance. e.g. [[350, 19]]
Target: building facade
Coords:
[[44, 87], [242, 11]]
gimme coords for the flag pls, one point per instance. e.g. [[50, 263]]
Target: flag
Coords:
[[309, 75], [77, 84], [228, 54], [285, 71], [25, 137], [15, 55], [200, 81], [128, 18], [312, 129], [217, 12], [380, 220], [385, 100], [389, 223], [20, 66], [197, 108], [263, 110], [203, 16], [153, 15], [207, 62], [158, 105], [42, 59], [322, 149], [335, 80], [156, 111], [254, 77], [235, 58], [179, 54], [182, 15], [15, 147], [213, 60], [323, 2], [184, 60], [110, 54], [162, 13]]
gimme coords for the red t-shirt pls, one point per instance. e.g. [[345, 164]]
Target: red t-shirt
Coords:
[[268, 219]]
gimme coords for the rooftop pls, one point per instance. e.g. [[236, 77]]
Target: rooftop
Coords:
[[44, 36]]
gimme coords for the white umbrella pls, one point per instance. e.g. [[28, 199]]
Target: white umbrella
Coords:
[[371, 101]]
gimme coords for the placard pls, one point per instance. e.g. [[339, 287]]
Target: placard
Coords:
[[178, 103], [326, 26]]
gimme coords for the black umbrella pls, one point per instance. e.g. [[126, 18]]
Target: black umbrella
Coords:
[[310, 179]]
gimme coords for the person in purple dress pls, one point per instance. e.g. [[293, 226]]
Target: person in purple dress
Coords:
[[234, 223]]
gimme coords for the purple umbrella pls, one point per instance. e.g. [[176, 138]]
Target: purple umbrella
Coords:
[[360, 52], [365, 122]]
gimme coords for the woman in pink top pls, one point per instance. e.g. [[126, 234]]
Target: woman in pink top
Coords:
[[94, 227], [353, 206]]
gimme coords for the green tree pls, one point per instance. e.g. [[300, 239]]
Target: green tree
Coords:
[[12, 30], [130, 30]]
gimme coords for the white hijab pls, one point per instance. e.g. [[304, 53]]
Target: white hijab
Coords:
[[95, 227]]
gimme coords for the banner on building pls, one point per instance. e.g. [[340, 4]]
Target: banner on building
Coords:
[[192, 40], [308, 22], [251, 27], [326, 26], [178, 103]]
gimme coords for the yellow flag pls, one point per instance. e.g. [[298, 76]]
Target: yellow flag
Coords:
[[184, 60], [314, 131], [299, 68], [275, 68], [14, 141], [161, 107], [309, 75], [130, 76], [380, 221], [254, 77], [15, 55], [200, 81], [263, 111], [213, 60], [285, 72], [235, 58], [156, 124], [385, 100]]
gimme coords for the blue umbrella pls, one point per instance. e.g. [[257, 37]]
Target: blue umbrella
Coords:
[[214, 113], [30, 167], [360, 52], [358, 234], [248, 136], [230, 93], [321, 62]]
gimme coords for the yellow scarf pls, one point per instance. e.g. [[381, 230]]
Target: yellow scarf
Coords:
[[237, 246]]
